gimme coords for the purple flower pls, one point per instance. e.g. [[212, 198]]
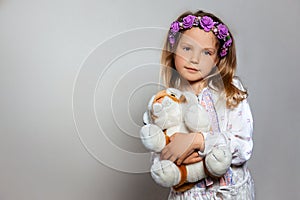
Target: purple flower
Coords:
[[175, 27], [223, 52], [207, 23], [228, 43], [188, 21], [223, 31]]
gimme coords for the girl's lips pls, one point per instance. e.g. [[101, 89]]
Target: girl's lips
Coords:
[[191, 69]]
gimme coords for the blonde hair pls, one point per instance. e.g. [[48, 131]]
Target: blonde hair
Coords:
[[226, 67]]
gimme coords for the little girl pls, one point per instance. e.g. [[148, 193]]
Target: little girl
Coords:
[[199, 56]]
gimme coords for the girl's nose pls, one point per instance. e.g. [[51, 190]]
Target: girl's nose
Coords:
[[195, 58]]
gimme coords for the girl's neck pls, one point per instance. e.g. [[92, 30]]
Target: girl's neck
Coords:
[[196, 87]]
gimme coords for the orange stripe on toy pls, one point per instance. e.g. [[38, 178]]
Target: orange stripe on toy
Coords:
[[183, 172], [162, 94], [167, 137], [184, 187]]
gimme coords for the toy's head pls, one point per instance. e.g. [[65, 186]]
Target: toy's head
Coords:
[[165, 108]]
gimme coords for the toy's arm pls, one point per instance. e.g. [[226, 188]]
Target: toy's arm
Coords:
[[215, 164]]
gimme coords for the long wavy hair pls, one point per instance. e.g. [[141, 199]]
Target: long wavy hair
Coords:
[[226, 66]]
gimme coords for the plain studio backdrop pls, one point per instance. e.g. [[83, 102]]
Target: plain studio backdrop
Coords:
[[76, 77]]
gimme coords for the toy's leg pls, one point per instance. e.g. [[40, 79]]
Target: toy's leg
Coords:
[[181, 178], [184, 184], [195, 172], [215, 165], [165, 173]]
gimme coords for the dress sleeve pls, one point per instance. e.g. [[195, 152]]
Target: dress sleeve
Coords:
[[239, 132]]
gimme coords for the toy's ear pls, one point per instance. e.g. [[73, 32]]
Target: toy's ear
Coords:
[[146, 119], [174, 91], [150, 103]]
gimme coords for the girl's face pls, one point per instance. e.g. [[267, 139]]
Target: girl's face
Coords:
[[196, 54]]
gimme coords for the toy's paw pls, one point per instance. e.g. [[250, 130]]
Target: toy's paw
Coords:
[[190, 97], [197, 119], [218, 160], [165, 173], [153, 137]]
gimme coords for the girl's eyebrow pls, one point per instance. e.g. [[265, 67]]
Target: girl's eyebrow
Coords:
[[206, 48], [186, 43], [183, 42], [210, 48]]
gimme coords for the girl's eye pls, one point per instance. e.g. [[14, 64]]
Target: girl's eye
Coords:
[[208, 53], [186, 48]]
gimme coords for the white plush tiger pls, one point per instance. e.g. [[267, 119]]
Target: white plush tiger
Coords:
[[171, 111]]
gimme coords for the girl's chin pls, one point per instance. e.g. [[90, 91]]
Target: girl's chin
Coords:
[[193, 79]]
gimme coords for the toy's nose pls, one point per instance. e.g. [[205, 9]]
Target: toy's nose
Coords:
[[159, 100], [160, 96]]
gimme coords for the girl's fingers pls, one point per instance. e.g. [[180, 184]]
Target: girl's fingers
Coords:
[[173, 136], [193, 158], [181, 146], [173, 158], [165, 156], [168, 156], [183, 157]]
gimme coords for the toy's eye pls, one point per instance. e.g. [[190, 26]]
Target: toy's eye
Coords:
[[173, 95]]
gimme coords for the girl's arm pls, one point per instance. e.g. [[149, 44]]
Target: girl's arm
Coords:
[[239, 130], [238, 137], [239, 133], [182, 146]]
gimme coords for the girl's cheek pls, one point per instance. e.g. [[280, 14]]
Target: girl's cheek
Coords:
[[183, 58], [181, 54], [206, 65]]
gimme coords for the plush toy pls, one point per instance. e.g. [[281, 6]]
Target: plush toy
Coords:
[[172, 111]]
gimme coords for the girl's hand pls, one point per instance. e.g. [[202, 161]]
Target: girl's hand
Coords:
[[181, 146], [193, 158]]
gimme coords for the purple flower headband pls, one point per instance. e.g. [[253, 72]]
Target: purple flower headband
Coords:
[[207, 24]]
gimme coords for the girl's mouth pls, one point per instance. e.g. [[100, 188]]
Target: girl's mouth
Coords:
[[190, 69]]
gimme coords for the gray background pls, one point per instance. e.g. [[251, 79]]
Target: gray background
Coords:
[[72, 100]]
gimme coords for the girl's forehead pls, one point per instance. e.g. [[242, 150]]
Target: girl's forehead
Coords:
[[198, 36]]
